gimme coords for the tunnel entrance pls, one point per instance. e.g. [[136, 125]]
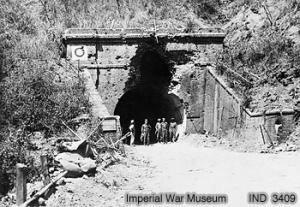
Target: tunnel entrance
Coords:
[[149, 98]]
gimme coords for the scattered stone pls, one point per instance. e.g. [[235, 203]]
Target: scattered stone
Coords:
[[115, 183], [71, 146], [51, 169], [56, 173], [70, 191], [279, 149], [106, 184], [68, 180], [11, 196], [89, 165], [80, 118], [73, 168], [106, 156], [75, 164], [61, 182], [291, 148], [140, 188], [42, 201]]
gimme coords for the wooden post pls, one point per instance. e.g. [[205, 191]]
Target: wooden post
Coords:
[[202, 113], [44, 189], [45, 171], [262, 134], [216, 109], [220, 129], [268, 135], [21, 183]]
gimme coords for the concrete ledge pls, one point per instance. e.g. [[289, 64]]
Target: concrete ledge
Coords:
[[134, 36]]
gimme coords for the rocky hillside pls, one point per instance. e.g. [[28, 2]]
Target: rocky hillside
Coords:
[[262, 45]]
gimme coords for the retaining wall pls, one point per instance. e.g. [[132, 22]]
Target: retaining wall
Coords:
[[225, 116]]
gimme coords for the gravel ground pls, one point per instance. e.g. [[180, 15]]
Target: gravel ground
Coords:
[[182, 167]]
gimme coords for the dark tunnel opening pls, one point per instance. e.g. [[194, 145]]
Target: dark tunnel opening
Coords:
[[149, 98]]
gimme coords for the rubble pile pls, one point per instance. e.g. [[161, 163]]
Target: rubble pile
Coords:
[[79, 157], [244, 145], [292, 144], [75, 164], [282, 147], [72, 157]]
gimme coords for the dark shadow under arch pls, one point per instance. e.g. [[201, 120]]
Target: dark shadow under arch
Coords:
[[141, 103], [147, 96]]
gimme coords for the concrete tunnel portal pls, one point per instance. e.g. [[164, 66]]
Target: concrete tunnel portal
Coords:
[[150, 97]]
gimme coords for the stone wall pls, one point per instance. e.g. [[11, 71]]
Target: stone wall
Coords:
[[111, 86]]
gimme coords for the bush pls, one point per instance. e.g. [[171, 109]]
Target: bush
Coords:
[[13, 151], [37, 102], [37, 89]]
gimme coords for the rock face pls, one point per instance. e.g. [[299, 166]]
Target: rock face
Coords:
[[263, 40], [75, 164]]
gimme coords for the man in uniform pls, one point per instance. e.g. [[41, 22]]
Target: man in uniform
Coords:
[[132, 132], [172, 130], [164, 130], [145, 133], [158, 130]]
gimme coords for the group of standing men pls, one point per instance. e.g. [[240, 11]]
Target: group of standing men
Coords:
[[164, 132]]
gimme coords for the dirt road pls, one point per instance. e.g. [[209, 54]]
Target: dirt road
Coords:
[[181, 168]]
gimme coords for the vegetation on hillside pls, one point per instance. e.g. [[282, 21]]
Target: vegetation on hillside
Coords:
[[263, 46], [37, 89]]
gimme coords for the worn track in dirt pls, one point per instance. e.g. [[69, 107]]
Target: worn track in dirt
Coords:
[[181, 167]]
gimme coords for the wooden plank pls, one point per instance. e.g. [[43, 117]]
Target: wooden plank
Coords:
[[216, 108], [45, 171], [109, 125], [262, 134], [44, 189], [202, 112], [21, 184], [268, 135], [220, 122], [80, 138]]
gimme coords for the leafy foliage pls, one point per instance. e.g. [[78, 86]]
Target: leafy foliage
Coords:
[[14, 150], [37, 89], [264, 53]]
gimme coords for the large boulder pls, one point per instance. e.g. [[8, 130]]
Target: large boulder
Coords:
[[75, 164]]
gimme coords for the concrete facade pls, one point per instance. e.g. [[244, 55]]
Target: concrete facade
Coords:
[[201, 99]]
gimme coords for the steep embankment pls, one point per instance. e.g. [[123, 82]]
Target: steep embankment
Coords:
[[263, 44]]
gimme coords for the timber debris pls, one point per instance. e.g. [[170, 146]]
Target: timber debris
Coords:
[[77, 157]]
